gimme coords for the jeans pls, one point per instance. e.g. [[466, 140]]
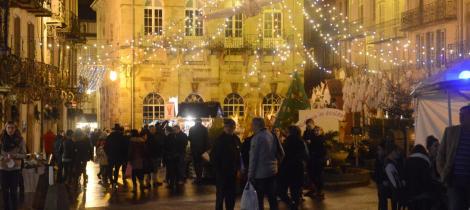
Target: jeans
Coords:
[[172, 169], [137, 174], [10, 184], [293, 184], [459, 193], [266, 186], [315, 171]]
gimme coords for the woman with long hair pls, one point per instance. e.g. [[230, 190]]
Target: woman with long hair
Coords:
[[12, 152]]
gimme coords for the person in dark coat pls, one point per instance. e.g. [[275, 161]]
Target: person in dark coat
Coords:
[[380, 178], [199, 142], [137, 155], [116, 146], [68, 156], [171, 158], [291, 172], [316, 163], [225, 157], [418, 179], [181, 143], [83, 154], [155, 144]]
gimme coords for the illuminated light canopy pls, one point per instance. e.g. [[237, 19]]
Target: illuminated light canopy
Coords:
[[113, 75], [465, 74]]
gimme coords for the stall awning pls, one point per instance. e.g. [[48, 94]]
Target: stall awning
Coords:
[[200, 110]]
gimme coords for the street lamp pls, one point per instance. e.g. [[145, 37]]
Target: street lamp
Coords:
[[113, 75]]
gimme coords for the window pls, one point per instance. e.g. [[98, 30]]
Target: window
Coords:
[[17, 36], [430, 49], [234, 26], [271, 104], [194, 98], [440, 47], [193, 24], [31, 42], [154, 108], [233, 105], [272, 24], [420, 51], [153, 18]]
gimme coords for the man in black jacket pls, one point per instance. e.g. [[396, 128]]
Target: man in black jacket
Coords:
[[116, 147], [198, 137], [225, 157]]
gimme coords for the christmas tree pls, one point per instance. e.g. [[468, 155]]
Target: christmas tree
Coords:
[[296, 99]]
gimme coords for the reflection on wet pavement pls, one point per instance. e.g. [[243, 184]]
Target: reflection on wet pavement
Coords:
[[193, 197]]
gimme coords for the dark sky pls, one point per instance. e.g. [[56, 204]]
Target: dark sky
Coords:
[[84, 10]]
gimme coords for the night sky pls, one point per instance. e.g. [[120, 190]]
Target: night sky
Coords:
[[84, 10]]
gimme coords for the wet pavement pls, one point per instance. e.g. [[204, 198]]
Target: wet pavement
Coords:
[[194, 197]]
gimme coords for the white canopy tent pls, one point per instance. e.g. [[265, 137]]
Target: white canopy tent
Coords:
[[438, 100]]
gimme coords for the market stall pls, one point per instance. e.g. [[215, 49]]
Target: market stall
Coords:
[[438, 100]]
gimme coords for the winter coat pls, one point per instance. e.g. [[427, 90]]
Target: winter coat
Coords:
[[155, 145], [181, 141], [101, 157], [170, 148], [264, 155], [49, 138], [67, 150], [225, 155], [447, 152], [116, 147], [14, 147], [137, 153], [292, 167], [199, 139], [57, 149], [316, 148], [418, 176], [83, 150]]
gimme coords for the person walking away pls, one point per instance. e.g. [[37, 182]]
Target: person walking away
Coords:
[[171, 158], [83, 154], [316, 163], [265, 153], [102, 160], [155, 144], [116, 148], [49, 138], [199, 143], [225, 157], [57, 156], [67, 152], [453, 161], [245, 155], [136, 159], [181, 143], [291, 172], [12, 152], [418, 179], [380, 178]]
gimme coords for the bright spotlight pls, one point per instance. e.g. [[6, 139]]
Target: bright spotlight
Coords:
[[113, 75], [464, 74]]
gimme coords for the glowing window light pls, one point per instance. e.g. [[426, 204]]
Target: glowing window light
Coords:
[[464, 74]]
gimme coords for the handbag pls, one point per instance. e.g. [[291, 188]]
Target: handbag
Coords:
[[249, 199], [129, 170]]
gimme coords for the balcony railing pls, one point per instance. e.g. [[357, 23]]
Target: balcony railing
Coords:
[[386, 31], [458, 51], [72, 30], [41, 8], [437, 11]]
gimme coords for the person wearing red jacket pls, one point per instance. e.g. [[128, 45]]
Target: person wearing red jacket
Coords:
[[49, 139]]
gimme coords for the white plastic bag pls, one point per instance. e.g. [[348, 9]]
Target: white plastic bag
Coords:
[[249, 198]]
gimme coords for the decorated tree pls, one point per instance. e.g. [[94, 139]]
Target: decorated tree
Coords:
[[296, 99]]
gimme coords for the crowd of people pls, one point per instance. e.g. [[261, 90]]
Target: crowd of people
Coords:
[[276, 162], [435, 176]]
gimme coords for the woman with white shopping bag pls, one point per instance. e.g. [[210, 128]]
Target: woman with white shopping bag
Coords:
[[225, 157]]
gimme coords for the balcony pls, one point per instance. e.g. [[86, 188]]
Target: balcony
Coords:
[[438, 11], [386, 31], [233, 42], [72, 30], [40, 8], [458, 51]]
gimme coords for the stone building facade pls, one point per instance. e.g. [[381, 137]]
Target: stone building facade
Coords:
[[170, 53]]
